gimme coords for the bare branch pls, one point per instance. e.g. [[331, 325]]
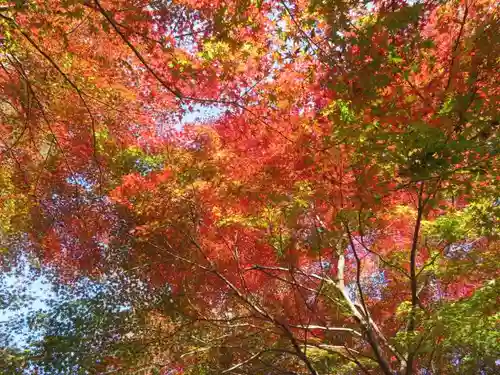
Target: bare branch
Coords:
[[332, 329], [238, 365]]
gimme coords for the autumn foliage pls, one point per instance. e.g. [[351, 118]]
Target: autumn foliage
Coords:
[[314, 184]]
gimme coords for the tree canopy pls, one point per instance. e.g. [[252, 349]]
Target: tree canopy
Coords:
[[252, 186]]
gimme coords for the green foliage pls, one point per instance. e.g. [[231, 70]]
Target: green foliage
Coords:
[[328, 361], [478, 219], [468, 329], [402, 17], [12, 361], [133, 159], [14, 204]]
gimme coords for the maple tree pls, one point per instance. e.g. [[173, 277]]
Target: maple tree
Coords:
[[340, 215]]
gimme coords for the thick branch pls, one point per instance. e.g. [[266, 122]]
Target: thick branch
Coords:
[[407, 366]]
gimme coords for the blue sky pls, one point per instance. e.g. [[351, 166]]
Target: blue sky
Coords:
[[30, 293], [201, 113]]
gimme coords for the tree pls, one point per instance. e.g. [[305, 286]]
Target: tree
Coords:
[[341, 215]]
